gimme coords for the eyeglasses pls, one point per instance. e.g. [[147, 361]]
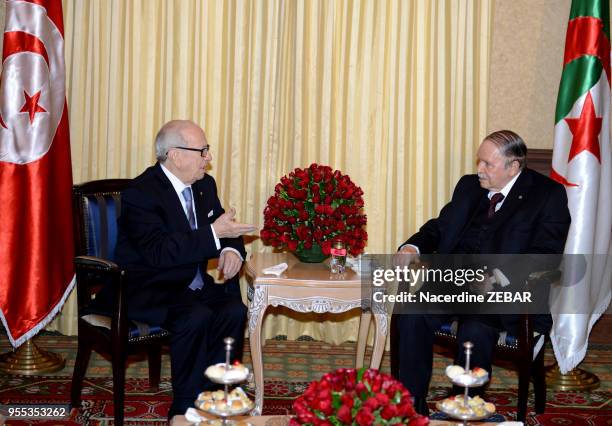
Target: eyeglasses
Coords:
[[203, 151]]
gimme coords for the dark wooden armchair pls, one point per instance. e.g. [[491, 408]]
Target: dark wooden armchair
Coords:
[[521, 351], [96, 207]]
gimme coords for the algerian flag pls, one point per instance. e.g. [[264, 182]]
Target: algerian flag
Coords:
[[582, 161]]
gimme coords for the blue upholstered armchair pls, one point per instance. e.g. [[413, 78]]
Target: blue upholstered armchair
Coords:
[[96, 206]]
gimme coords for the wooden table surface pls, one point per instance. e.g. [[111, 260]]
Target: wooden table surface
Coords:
[[284, 421]]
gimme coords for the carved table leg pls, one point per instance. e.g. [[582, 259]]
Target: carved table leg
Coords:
[[382, 328], [364, 327], [257, 310]]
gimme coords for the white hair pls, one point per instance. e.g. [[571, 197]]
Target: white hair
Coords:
[[169, 136]]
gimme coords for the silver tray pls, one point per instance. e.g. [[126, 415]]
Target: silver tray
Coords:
[[462, 417], [230, 413], [479, 382], [228, 381]]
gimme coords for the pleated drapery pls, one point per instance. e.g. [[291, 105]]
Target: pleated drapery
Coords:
[[393, 93]]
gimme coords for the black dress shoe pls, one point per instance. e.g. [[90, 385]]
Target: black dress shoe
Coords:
[[420, 406]]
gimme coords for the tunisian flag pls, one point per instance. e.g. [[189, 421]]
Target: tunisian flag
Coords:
[[36, 247]]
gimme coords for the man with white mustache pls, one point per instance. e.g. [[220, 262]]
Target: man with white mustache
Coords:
[[505, 208]]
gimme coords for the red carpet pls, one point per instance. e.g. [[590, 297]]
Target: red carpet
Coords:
[[143, 407]]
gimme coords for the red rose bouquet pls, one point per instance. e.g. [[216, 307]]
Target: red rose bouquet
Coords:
[[356, 397], [315, 207]]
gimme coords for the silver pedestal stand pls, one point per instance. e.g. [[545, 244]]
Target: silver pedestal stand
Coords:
[[225, 421], [468, 352]]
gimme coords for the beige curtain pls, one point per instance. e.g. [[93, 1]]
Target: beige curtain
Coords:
[[394, 93]]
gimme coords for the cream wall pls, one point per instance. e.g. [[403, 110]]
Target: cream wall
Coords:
[[525, 68]]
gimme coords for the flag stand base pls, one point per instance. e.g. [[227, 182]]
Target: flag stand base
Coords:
[[29, 359], [576, 379]]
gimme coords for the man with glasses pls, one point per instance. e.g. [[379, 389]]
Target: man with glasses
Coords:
[[171, 224]]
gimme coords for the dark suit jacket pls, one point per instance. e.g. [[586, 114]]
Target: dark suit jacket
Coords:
[[156, 246], [534, 219]]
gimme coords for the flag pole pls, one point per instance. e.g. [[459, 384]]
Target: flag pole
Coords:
[[30, 359]]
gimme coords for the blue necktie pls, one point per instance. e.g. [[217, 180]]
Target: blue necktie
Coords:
[[197, 282]]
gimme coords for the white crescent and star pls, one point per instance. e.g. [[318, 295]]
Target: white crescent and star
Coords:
[[32, 93]]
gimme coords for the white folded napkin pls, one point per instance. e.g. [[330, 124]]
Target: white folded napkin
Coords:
[[354, 263], [192, 416], [276, 269]]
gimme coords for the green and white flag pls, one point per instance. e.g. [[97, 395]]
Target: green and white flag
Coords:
[[582, 161]]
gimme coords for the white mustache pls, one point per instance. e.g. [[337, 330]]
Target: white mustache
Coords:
[[481, 176]]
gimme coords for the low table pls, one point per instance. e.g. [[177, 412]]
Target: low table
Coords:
[[284, 421], [242, 420], [306, 287]]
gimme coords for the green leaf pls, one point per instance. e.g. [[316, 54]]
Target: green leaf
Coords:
[[319, 414], [336, 400], [333, 420], [360, 373]]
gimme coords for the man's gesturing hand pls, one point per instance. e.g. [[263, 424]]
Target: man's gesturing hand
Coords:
[[405, 256], [229, 263], [226, 226]]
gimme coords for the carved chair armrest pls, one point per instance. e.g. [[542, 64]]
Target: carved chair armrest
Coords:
[[95, 263], [94, 273], [538, 284]]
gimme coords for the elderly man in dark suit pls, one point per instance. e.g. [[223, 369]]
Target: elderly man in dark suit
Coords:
[[505, 208], [171, 224]]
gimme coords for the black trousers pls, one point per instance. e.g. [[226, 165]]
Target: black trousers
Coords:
[[415, 334], [198, 322]]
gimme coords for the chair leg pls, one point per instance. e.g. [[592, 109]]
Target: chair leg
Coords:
[[539, 382], [393, 347], [154, 354], [119, 383], [78, 374], [523, 390]]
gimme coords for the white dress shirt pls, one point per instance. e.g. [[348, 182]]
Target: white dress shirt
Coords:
[[179, 186]]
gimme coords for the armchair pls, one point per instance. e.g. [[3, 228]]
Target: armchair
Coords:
[[96, 206]]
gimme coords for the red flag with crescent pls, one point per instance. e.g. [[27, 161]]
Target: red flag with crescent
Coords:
[[36, 246]]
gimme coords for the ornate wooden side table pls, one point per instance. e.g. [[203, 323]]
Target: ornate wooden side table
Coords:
[[305, 287]]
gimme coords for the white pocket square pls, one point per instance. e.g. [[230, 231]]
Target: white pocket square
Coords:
[[210, 213]]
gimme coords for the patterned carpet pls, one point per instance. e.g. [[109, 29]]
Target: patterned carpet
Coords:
[[289, 366]]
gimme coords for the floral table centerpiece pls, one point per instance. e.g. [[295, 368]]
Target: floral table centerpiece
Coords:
[[356, 397], [310, 209]]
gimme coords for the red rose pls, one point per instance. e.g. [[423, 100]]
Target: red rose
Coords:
[[419, 421], [347, 400], [326, 247], [344, 414], [325, 405], [372, 403], [364, 417], [382, 398], [302, 232], [388, 412]]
